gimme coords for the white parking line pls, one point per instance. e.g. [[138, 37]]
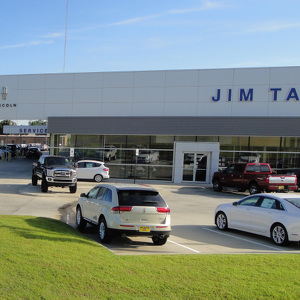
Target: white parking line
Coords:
[[245, 240], [191, 249]]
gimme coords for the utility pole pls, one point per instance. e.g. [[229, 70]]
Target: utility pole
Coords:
[[66, 29]]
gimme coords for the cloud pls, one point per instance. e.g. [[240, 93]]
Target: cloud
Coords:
[[28, 44], [135, 20], [207, 5], [273, 27], [54, 35]]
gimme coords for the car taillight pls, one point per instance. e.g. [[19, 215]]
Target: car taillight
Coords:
[[106, 169], [268, 180], [163, 209], [121, 208]]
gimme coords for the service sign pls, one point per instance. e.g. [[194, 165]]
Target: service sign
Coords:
[[7, 129]]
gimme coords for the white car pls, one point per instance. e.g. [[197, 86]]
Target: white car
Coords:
[[275, 216], [122, 209], [147, 156], [92, 169]]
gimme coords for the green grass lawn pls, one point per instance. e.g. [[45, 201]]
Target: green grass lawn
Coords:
[[46, 259]]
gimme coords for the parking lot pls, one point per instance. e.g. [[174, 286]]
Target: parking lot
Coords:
[[192, 212]]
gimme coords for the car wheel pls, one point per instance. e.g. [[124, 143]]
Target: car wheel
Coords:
[[80, 222], [44, 186], [34, 180], [217, 185], [279, 234], [253, 188], [104, 234], [73, 188], [159, 241], [221, 221], [98, 178]]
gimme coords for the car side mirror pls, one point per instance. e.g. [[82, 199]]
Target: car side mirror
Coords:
[[235, 203], [83, 195]]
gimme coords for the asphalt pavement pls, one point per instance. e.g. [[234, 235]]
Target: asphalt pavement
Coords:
[[192, 214]]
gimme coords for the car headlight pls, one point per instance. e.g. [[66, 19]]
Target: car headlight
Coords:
[[50, 173]]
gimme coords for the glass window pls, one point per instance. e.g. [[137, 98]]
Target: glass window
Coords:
[[234, 143], [93, 192], [185, 138], [101, 193], [230, 169], [239, 168], [140, 198], [258, 168], [81, 165], [268, 203], [249, 201], [264, 143], [118, 141], [138, 141], [161, 142], [290, 144], [295, 201], [88, 141], [207, 138], [108, 196]]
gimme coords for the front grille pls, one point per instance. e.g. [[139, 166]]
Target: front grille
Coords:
[[62, 173]]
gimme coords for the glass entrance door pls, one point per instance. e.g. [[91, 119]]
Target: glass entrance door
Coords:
[[195, 166]]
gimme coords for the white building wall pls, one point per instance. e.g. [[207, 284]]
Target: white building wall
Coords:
[[152, 93]]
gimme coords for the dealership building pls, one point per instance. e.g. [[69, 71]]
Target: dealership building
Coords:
[[173, 125]]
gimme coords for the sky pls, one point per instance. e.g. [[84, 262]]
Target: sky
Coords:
[[137, 35]]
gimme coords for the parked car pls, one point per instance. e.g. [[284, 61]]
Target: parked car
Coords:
[[33, 152], [107, 153], [13, 149], [92, 169], [53, 171], [147, 156], [120, 209], [292, 171], [276, 216], [249, 157], [256, 177]]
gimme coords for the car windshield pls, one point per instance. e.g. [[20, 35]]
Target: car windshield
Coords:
[[295, 201], [144, 152], [61, 161], [140, 198]]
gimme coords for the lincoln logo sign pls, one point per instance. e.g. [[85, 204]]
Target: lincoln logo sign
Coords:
[[248, 95]]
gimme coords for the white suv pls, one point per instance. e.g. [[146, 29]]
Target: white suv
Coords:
[[117, 209], [92, 169]]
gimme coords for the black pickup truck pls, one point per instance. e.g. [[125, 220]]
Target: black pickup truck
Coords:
[[54, 171]]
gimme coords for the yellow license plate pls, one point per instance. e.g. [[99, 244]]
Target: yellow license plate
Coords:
[[281, 187], [144, 229]]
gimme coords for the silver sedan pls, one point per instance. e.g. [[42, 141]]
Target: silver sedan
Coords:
[[276, 216]]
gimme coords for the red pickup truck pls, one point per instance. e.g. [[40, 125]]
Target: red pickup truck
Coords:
[[256, 177]]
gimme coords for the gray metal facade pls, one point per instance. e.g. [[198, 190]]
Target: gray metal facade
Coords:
[[201, 126]]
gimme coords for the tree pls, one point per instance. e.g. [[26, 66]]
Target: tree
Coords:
[[6, 122], [37, 122]]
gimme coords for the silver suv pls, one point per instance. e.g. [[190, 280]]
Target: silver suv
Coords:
[[132, 210]]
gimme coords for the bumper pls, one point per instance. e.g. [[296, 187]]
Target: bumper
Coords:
[[282, 188], [61, 182], [135, 232]]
